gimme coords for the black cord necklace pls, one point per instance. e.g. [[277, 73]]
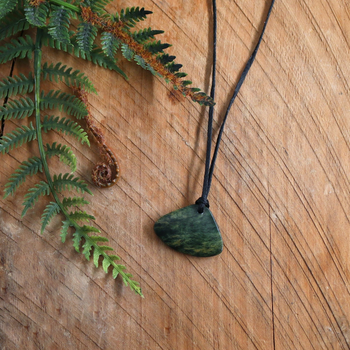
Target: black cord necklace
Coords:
[[193, 230]]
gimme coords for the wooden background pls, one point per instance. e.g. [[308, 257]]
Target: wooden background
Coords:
[[280, 195]]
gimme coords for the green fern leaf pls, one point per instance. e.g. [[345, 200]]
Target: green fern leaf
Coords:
[[146, 34], [130, 16], [48, 40], [75, 201], [36, 15], [69, 182], [79, 215], [50, 211], [64, 230], [6, 6], [165, 58], [16, 85], [13, 24], [86, 35], [97, 5], [110, 44], [21, 48], [173, 67], [127, 52], [17, 138], [59, 24], [155, 47], [66, 126], [33, 194], [28, 167], [181, 74], [141, 62], [71, 78], [87, 246], [65, 154], [77, 236], [18, 109], [69, 103]]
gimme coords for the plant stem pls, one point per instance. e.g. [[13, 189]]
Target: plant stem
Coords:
[[66, 5]]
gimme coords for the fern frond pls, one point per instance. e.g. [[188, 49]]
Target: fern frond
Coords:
[[165, 59], [59, 24], [75, 201], [155, 47], [110, 44], [127, 52], [173, 67], [130, 16], [28, 167], [65, 154], [141, 62], [86, 35], [40, 189], [66, 126], [17, 109], [6, 6], [97, 5], [50, 211], [48, 40], [71, 78], [13, 24], [21, 47], [36, 15], [79, 215], [17, 138], [16, 85], [69, 182], [146, 34], [64, 230], [98, 57], [68, 103]]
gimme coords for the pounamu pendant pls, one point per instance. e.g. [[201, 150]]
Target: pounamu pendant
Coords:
[[190, 232]]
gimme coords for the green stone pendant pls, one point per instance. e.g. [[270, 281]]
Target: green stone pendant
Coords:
[[190, 232]]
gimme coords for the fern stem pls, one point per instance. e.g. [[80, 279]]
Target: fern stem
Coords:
[[66, 5]]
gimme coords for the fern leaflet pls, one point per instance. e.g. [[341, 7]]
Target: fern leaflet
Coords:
[[50, 211], [59, 24], [36, 15], [40, 189], [110, 44], [16, 85], [63, 101], [71, 202], [28, 167], [21, 47], [79, 215], [13, 24], [130, 16], [65, 154], [146, 34], [17, 109], [66, 126], [15, 139], [69, 182], [86, 36], [70, 77], [6, 6]]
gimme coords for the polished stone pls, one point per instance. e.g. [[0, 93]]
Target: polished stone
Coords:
[[190, 232]]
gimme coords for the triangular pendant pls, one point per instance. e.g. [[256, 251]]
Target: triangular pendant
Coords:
[[190, 232]]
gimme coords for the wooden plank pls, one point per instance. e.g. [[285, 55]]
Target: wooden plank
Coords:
[[280, 195]]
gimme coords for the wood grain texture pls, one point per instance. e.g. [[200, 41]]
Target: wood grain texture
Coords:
[[280, 195]]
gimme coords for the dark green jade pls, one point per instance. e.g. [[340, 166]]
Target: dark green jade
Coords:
[[190, 232]]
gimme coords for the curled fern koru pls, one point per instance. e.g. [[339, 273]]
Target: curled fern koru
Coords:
[[51, 20]]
